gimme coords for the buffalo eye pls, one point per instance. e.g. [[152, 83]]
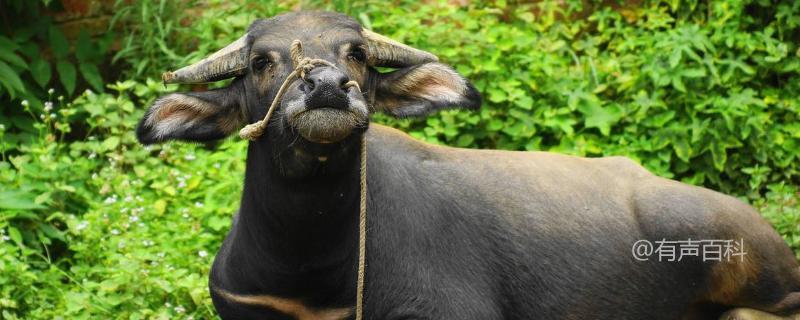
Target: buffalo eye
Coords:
[[260, 63], [357, 54]]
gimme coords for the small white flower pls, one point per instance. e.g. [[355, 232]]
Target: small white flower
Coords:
[[202, 253], [60, 98], [189, 157], [216, 165], [147, 243], [92, 155], [121, 244], [25, 103], [115, 232], [129, 198], [161, 255], [94, 176], [134, 218], [167, 304], [198, 204], [180, 309], [51, 91], [82, 225], [53, 115], [89, 92], [41, 116], [181, 184], [111, 199], [4, 238], [48, 106], [2, 127]]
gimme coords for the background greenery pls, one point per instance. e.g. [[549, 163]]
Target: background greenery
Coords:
[[93, 225]]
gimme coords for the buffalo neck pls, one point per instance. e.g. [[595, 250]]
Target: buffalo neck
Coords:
[[300, 204]]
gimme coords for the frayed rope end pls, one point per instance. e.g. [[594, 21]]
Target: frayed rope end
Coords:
[[252, 131]]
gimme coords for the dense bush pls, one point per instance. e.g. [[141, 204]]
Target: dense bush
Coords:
[[93, 225], [702, 92], [38, 62]]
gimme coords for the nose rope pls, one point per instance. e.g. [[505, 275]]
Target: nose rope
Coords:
[[252, 131], [303, 66]]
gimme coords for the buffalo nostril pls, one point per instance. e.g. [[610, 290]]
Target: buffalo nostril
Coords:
[[343, 82]]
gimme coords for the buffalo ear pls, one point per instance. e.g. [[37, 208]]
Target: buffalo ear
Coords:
[[193, 116], [421, 89]]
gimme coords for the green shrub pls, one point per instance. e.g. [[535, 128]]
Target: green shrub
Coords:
[[701, 92], [93, 225], [106, 228], [37, 62]]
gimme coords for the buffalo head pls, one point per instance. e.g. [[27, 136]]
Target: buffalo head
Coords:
[[315, 111]]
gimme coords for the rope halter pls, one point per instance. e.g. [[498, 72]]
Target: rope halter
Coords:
[[303, 66], [252, 131]]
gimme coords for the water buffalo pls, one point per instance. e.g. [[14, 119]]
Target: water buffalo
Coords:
[[452, 233]]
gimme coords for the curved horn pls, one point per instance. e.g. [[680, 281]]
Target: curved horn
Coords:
[[385, 52], [228, 62]]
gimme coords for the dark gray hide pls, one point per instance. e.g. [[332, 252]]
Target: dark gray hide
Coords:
[[452, 233]]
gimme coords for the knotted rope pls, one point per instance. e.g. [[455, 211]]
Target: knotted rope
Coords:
[[252, 131], [303, 66]]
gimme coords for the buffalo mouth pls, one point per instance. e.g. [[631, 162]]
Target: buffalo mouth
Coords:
[[327, 125]]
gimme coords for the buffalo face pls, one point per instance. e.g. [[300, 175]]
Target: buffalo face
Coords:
[[317, 109]]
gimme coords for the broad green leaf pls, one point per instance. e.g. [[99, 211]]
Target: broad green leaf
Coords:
[[83, 48], [51, 232], [718, 155], [41, 72], [524, 102], [111, 143], [67, 75], [58, 43], [92, 75], [15, 235], [596, 116], [18, 200], [682, 148], [497, 95], [465, 140], [12, 58], [10, 80], [675, 57], [677, 83]]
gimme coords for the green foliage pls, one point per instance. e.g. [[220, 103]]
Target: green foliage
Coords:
[[701, 92], [103, 227], [782, 209], [93, 225], [37, 61]]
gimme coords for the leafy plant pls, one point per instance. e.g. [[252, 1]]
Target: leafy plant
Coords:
[[37, 62], [695, 91], [93, 225]]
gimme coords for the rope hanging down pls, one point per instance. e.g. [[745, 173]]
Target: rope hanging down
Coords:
[[252, 131]]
